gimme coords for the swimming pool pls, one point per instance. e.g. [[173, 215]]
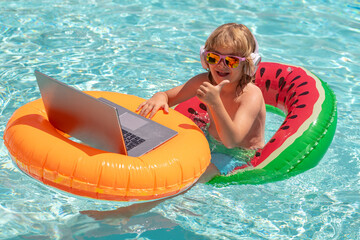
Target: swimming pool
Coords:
[[139, 47]]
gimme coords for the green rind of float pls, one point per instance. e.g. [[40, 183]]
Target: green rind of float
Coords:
[[275, 110], [304, 154]]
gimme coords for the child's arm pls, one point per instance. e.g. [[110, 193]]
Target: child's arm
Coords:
[[169, 98]]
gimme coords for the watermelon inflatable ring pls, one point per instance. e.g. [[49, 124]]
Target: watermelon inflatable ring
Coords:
[[309, 108]]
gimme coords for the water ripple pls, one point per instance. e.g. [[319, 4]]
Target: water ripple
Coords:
[[140, 47]]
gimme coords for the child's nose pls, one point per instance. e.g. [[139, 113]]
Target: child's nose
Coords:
[[223, 62]]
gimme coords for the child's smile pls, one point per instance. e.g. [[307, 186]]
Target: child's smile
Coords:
[[222, 73]]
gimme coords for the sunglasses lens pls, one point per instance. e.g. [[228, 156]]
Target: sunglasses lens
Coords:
[[232, 62], [212, 58]]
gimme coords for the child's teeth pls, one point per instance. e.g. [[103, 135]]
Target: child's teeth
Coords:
[[222, 74]]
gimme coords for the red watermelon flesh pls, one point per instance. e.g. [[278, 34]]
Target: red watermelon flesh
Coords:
[[290, 89], [195, 110]]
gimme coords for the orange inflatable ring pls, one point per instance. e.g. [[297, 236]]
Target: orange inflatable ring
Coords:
[[48, 155]]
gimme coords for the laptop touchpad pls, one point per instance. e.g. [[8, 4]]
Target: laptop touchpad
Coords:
[[131, 121]]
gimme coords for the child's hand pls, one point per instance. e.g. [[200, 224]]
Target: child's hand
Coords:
[[208, 93], [156, 102]]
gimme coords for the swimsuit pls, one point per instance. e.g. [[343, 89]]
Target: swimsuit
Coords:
[[226, 159]]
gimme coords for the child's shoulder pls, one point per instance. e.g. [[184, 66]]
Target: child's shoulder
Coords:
[[252, 89], [199, 79], [202, 76], [252, 93]]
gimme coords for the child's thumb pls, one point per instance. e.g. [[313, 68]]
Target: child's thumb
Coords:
[[223, 83]]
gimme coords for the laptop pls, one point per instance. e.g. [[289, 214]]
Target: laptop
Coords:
[[99, 122]]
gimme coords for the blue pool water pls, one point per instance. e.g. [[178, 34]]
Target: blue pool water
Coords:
[[140, 47]]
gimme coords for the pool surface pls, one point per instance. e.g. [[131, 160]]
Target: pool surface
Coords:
[[141, 47]]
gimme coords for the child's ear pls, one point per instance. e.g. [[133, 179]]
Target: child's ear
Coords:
[[202, 58], [255, 57], [247, 68]]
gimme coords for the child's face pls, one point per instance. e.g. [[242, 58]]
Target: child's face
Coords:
[[221, 71]]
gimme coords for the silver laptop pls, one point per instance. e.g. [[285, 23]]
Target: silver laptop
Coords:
[[99, 123]]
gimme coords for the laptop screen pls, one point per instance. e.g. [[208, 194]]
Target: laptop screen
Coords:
[[80, 115]]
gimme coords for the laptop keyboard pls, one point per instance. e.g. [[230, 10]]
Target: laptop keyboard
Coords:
[[131, 140]]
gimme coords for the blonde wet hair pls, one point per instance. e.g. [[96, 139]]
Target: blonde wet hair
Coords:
[[238, 38]]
